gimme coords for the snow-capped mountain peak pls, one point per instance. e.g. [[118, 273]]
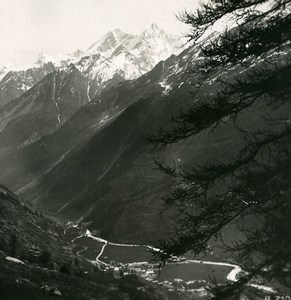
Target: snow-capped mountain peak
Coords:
[[154, 29], [115, 55], [128, 55], [109, 42]]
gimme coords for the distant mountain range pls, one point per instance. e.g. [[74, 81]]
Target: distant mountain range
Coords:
[[43, 108], [40, 99], [74, 148], [127, 55], [98, 160], [15, 83], [117, 55], [88, 158], [84, 155]]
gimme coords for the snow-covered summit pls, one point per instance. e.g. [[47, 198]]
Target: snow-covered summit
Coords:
[[109, 42], [152, 37], [128, 55], [115, 55]]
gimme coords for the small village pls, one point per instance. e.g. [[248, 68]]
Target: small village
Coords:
[[151, 272]]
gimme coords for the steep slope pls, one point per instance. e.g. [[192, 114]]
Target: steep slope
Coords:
[[89, 173], [42, 109], [102, 160], [22, 166], [25, 233], [3, 71], [111, 176], [15, 83], [116, 57], [31, 171], [126, 55], [107, 63]]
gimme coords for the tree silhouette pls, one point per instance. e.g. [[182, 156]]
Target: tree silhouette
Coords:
[[250, 65]]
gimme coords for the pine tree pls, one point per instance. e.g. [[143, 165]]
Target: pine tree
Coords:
[[251, 65]]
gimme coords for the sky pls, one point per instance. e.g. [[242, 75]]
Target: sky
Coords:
[[30, 27]]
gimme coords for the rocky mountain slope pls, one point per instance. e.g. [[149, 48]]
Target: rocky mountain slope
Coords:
[[103, 161], [3, 72], [14, 83], [42, 109], [33, 100], [115, 57], [102, 151], [25, 167]]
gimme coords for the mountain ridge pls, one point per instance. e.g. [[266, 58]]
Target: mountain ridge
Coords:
[[115, 53]]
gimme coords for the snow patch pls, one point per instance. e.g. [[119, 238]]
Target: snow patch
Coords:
[[166, 87], [88, 92], [56, 103], [15, 260]]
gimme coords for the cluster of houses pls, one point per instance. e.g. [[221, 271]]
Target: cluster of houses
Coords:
[[150, 272], [119, 270], [197, 287]]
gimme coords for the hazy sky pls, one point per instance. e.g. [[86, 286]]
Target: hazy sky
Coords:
[[29, 27]]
